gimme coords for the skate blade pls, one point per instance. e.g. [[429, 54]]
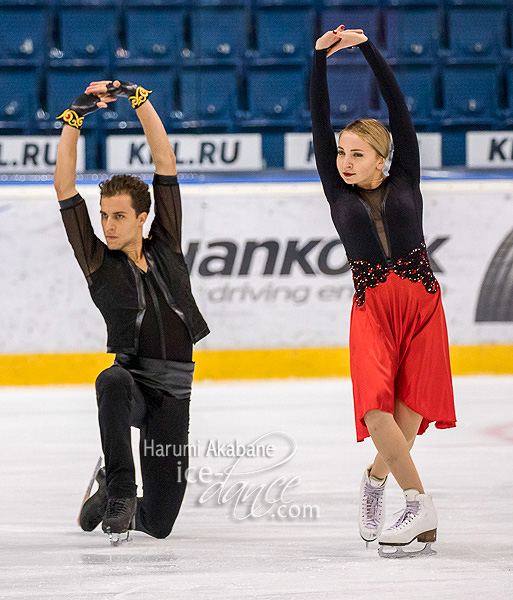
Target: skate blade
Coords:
[[368, 542], [118, 539], [90, 487], [398, 552]]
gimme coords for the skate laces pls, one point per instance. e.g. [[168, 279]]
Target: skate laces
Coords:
[[410, 512], [117, 506], [372, 497]]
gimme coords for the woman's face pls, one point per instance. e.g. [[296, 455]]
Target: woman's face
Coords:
[[358, 162]]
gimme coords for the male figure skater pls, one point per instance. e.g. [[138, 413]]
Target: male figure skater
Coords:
[[142, 288]]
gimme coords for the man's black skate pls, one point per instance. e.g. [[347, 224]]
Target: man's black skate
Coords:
[[119, 518], [93, 508]]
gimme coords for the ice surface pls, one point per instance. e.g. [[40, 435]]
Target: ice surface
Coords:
[[49, 444]]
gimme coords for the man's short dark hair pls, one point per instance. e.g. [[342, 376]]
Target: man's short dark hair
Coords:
[[128, 184]]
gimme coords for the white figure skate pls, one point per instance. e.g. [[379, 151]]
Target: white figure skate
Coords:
[[417, 522], [372, 506]]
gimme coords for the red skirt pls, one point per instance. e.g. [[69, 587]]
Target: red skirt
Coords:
[[399, 348]]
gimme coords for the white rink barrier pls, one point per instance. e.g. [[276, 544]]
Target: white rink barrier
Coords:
[[268, 270]]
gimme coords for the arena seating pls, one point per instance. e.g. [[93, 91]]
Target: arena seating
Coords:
[[163, 39], [218, 33], [352, 91], [276, 96], [470, 94], [413, 32], [208, 97], [237, 64], [23, 35], [87, 35], [19, 101]]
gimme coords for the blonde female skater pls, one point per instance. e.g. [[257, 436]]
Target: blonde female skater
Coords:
[[399, 351]]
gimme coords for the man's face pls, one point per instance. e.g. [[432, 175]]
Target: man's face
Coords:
[[122, 228]]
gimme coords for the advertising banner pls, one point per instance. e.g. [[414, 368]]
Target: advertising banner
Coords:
[[33, 154], [490, 149], [267, 267], [226, 152], [299, 154]]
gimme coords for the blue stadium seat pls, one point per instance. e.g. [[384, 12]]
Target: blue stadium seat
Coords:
[[219, 3], [276, 95], [285, 2], [154, 35], [30, 3], [470, 94], [208, 97], [417, 84], [351, 93], [88, 35], [413, 2], [477, 2], [353, 17], [476, 31], [413, 32], [160, 81], [284, 33], [18, 101], [23, 35], [63, 85], [86, 3], [163, 3], [218, 33], [342, 3]]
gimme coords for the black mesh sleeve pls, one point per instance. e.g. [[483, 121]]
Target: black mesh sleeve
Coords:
[[168, 210], [406, 148], [89, 250], [325, 146]]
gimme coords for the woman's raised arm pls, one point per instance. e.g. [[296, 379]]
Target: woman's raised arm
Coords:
[[325, 146], [406, 147]]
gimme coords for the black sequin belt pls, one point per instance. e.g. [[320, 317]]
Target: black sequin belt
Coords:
[[414, 266]]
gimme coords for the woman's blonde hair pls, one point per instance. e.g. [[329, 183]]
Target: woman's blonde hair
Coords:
[[374, 133]]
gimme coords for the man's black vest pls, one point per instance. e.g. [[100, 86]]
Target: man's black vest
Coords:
[[117, 290]]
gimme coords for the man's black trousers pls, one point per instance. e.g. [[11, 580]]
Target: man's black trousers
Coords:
[[164, 426]]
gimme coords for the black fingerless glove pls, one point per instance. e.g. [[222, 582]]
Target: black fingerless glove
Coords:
[[79, 108], [135, 93]]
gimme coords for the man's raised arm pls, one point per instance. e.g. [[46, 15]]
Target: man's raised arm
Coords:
[[72, 118], [66, 167], [89, 250], [162, 153], [167, 223]]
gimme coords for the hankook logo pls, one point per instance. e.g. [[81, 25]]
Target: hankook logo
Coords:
[[228, 258]]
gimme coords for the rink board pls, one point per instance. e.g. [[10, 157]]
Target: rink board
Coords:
[[269, 275], [49, 369]]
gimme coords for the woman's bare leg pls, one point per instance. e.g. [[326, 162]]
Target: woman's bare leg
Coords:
[[409, 423], [393, 436]]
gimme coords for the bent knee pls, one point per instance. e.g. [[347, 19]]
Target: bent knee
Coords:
[[114, 377], [375, 419], [161, 531]]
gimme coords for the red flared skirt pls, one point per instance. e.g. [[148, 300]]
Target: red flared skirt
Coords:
[[399, 348]]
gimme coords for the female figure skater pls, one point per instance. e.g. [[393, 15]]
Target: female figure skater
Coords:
[[399, 351]]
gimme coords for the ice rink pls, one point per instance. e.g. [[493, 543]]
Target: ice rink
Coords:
[[309, 550]]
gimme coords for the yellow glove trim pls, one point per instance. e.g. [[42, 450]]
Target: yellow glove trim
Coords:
[[71, 118], [141, 95]]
